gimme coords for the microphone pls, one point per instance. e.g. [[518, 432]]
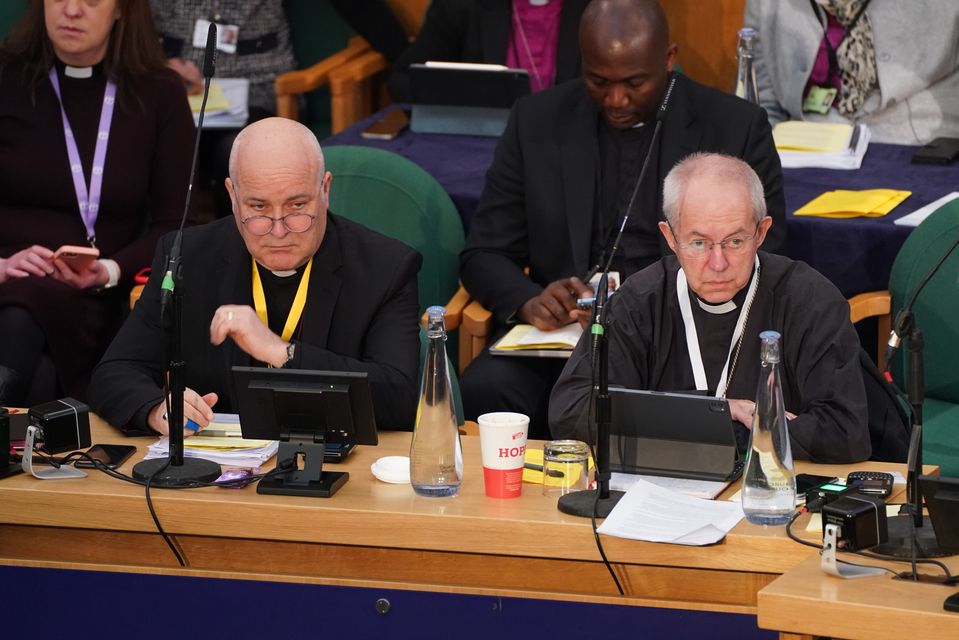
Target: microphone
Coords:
[[173, 263], [173, 470]]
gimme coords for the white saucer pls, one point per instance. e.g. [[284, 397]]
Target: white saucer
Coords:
[[392, 469]]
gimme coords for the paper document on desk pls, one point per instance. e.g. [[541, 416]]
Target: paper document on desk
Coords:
[[818, 145], [655, 514], [916, 217], [705, 489], [869, 203]]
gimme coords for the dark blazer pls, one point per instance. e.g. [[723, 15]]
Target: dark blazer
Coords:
[[361, 315], [536, 209], [479, 31]]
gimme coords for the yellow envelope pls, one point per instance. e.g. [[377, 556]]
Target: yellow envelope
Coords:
[[871, 203], [216, 101]]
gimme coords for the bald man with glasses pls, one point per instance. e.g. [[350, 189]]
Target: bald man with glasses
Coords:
[[285, 283], [692, 321]]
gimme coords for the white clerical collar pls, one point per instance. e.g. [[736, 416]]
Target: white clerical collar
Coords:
[[283, 274], [717, 309], [77, 72]]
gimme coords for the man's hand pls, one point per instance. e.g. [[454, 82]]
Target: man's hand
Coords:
[[189, 72], [94, 274], [250, 334], [195, 407], [555, 307], [742, 411], [32, 261]]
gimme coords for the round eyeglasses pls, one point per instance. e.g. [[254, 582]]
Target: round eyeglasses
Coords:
[[729, 246], [294, 223]]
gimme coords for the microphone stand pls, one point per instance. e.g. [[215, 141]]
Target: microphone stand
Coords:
[[598, 502], [176, 470]]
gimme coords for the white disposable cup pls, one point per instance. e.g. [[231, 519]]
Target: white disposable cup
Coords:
[[503, 444]]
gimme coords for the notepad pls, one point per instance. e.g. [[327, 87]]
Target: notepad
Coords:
[[215, 102], [526, 336], [799, 135], [871, 203]]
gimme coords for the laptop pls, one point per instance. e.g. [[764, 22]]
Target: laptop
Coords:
[[672, 434]]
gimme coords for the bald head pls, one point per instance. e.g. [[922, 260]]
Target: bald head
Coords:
[[709, 170], [271, 140], [624, 23]]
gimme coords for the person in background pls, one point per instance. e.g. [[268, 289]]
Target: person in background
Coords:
[[283, 283], [259, 48], [562, 176], [692, 321], [890, 65], [96, 136], [537, 35]]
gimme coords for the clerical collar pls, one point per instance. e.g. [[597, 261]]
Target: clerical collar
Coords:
[[77, 72], [723, 307], [283, 274]]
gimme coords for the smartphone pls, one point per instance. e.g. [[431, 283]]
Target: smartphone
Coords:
[[939, 151], [877, 483], [388, 127], [585, 303], [807, 481], [77, 257], [112, 455]]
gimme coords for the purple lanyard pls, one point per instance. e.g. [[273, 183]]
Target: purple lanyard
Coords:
[[89, 202]]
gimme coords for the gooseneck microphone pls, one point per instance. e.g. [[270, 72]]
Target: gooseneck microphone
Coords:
[[600, 502], [174, 470]]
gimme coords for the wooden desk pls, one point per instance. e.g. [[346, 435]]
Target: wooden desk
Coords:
[[807, 601], [375, 534]]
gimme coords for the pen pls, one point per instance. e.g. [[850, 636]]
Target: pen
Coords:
[[218, 433], [552, 473]]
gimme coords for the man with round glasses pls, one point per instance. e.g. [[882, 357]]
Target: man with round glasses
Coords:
[[692, 321], [286, 283]]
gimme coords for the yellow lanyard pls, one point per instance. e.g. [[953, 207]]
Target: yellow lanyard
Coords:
[[299, 301]]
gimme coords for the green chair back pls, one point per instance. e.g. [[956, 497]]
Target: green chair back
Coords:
[[392, 195], [10, 13], [936, 316], [318, 32]]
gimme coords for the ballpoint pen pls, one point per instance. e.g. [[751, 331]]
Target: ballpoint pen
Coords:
[[552, 473]]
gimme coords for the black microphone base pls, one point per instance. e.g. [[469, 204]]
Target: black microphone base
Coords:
[[899, 544], [192, 470], [581, 503]]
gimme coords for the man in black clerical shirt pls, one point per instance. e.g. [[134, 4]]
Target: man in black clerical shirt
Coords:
[[561, 179], [692, 321], [284, 283]]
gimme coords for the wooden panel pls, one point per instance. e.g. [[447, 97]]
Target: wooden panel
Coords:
[[705, 31], [805, 600]]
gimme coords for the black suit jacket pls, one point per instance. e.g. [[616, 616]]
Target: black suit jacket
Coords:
[[536, 209], [479, 31], [361, 315]]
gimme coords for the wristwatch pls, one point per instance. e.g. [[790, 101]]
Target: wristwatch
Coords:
[[290, 349]]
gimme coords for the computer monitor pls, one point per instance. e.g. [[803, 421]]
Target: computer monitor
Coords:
[[304, 410], [942, 501]]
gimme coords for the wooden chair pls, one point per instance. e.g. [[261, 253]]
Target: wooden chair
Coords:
[[348, 70]]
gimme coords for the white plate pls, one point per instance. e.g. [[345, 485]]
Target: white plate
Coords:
[[392, 469]]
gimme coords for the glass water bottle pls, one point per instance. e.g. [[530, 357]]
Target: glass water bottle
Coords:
[[436, 457], [769, 485], [746, 87]]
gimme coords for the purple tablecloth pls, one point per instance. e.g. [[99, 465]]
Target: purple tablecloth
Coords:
[[856, 254]]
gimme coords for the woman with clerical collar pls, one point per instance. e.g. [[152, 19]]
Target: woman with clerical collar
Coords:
[[95, 143]]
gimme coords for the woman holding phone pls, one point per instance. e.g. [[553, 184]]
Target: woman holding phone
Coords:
[[95, 143]]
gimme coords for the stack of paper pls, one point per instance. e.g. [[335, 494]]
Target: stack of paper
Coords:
[[222, 444], [226, 106], [829, 146], [655, 514], [870, 203], [705, 489], [527, 337]]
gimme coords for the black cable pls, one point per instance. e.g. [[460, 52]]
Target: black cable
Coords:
[[599, 544], [156, 520]]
